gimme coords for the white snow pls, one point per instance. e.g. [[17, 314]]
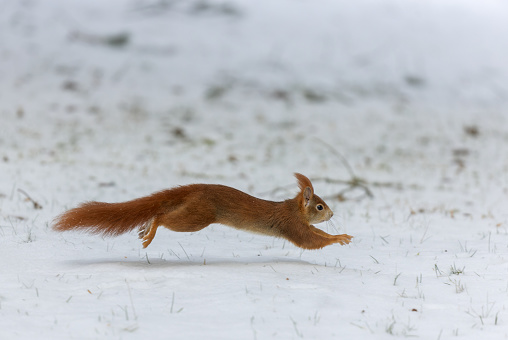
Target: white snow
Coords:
[[244, 93]]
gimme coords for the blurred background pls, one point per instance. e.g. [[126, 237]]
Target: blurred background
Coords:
[[211, 89]]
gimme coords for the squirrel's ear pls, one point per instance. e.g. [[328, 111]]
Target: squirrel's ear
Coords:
[[307, 195]]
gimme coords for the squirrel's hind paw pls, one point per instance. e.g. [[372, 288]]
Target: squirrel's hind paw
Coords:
[[147, 232]]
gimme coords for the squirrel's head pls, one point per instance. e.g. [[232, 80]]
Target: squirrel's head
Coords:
[[313, 207]]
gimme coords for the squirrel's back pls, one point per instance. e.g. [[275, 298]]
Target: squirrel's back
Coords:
[[112, 219]]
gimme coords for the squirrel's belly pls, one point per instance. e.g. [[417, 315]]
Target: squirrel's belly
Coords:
[[256, 228]]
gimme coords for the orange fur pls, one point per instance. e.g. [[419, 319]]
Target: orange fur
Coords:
[[194, 207]]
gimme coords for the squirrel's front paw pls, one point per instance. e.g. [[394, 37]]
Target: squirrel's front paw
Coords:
[[343, 239]]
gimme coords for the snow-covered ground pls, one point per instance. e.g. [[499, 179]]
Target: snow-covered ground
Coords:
[[114, 100]]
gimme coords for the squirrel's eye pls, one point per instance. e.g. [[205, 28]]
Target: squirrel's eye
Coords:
[[319, 207]]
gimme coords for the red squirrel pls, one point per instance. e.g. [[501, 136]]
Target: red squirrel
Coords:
[[193, 207]]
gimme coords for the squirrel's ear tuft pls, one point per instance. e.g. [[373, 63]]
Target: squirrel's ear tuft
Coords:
[[304, 182], [305, 185]]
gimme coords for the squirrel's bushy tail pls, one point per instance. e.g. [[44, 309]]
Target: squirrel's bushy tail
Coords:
[[111, 219]]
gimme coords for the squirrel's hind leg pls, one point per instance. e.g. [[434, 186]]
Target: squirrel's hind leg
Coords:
[[189, 218], [182, 219]]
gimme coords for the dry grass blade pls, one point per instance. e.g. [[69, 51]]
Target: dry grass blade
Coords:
[[34, 202]]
